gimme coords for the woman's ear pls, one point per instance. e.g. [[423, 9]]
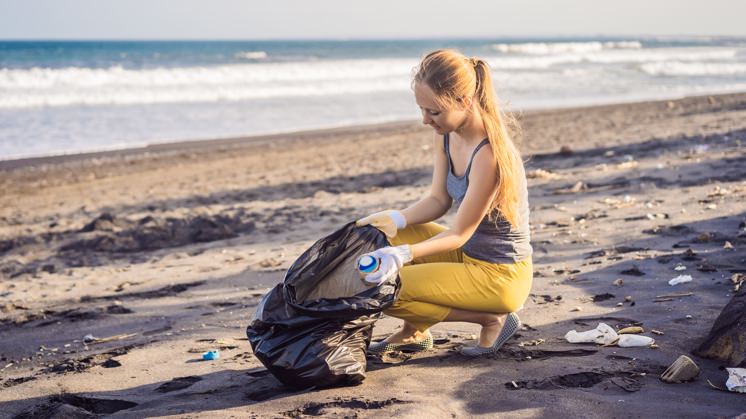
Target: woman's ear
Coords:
[[466, 102]]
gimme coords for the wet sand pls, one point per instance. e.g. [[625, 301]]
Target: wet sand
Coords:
[[163, 253]]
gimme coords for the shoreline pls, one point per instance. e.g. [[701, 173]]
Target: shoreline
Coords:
[[203, 144], [206, 144]]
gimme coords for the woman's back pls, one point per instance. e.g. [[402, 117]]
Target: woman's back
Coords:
[[495, 241]]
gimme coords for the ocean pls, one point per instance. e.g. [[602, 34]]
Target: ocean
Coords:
[[79, 96]]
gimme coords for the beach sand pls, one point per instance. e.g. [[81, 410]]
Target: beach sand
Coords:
[[167, 250]]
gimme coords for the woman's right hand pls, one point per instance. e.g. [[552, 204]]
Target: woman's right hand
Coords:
[[392, 259], [387, 221]]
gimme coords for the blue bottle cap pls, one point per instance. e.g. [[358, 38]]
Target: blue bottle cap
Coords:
[[367, 264], [211, 355]]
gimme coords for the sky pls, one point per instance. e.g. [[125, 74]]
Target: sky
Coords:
[[377, 19]]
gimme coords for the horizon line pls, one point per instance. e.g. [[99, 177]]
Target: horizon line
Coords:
[[356, 39]]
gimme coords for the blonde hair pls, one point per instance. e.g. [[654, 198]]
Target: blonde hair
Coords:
[[452, 76]]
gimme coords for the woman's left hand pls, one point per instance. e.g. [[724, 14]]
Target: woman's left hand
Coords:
[[387, 221], [392, 259]]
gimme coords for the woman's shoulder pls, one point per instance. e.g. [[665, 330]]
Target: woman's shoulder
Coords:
[[483, 156], [484, 163]]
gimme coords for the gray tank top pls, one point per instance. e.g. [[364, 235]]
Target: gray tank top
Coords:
[[495, 242]]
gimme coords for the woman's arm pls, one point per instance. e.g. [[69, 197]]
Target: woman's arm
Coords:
[[476, 203], [437, 202]]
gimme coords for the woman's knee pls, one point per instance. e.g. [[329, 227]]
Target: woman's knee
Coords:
[[514, 304]]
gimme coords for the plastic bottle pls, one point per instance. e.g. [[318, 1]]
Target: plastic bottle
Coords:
[[367, 265]]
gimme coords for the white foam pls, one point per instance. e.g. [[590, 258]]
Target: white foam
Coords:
[[664, 54], [612, 57], [251, 55], [24, 88], [545, 48], [678, 68], [261, 79]]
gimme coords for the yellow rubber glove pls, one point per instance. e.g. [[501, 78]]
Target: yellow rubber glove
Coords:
[[387, 221]]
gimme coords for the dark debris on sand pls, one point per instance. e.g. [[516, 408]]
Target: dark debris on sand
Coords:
[[525, 354], [90, 361], [48, 317], [626, 380], [179, 383], [108, 236], [149, 233], [350, 405], [75, 406]]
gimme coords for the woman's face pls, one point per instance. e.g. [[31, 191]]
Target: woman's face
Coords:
[[442, 120]]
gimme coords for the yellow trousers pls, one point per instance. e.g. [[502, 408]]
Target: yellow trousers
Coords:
[[433, 285]]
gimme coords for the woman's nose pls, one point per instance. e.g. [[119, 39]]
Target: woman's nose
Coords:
[[426, 119]]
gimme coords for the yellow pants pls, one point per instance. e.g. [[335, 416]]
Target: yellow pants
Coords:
[[432, 285]]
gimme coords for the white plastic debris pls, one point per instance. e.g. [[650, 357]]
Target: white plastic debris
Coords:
[[631, 341], [680, 268], [736, 380], [700, 148], [680, 279], [603, 334]]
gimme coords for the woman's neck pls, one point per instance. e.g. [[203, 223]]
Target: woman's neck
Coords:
[[472, 131]]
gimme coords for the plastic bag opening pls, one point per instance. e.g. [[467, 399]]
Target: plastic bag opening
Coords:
[[327, 270]]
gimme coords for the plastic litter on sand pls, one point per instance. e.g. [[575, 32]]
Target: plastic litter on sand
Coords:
[[632, 341], [682, 370], [680, 279], [736, 380], [603, 334]]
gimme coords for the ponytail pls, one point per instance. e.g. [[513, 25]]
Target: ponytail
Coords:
[[504, 151]]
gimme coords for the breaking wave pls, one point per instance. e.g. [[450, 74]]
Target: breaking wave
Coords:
[[36, 87], [678, 68], [251, 55], [546, 48]]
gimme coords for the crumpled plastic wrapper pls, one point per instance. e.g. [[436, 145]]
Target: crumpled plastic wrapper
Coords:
[[603, 334], [736, 380], [632, 341], [681, 279]]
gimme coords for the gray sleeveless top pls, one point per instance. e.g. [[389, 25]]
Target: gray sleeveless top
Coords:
[[493, 241]]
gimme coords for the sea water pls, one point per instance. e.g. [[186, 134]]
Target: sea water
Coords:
[[72, 97]]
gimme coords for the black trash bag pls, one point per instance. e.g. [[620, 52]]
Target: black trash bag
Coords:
[[313, 329]]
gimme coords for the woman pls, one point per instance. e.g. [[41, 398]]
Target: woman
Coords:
[[480, 270]]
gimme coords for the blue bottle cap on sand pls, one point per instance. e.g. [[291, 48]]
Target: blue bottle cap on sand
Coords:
[[211, 355], [367, 264]]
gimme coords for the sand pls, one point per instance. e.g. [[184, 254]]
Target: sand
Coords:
[[163, 253]]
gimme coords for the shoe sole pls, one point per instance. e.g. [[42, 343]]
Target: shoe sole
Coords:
[[382, 347]]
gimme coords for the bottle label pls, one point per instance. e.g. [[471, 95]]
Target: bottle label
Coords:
[[367, 264]]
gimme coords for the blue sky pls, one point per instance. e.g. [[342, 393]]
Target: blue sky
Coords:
[[349, 19]]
